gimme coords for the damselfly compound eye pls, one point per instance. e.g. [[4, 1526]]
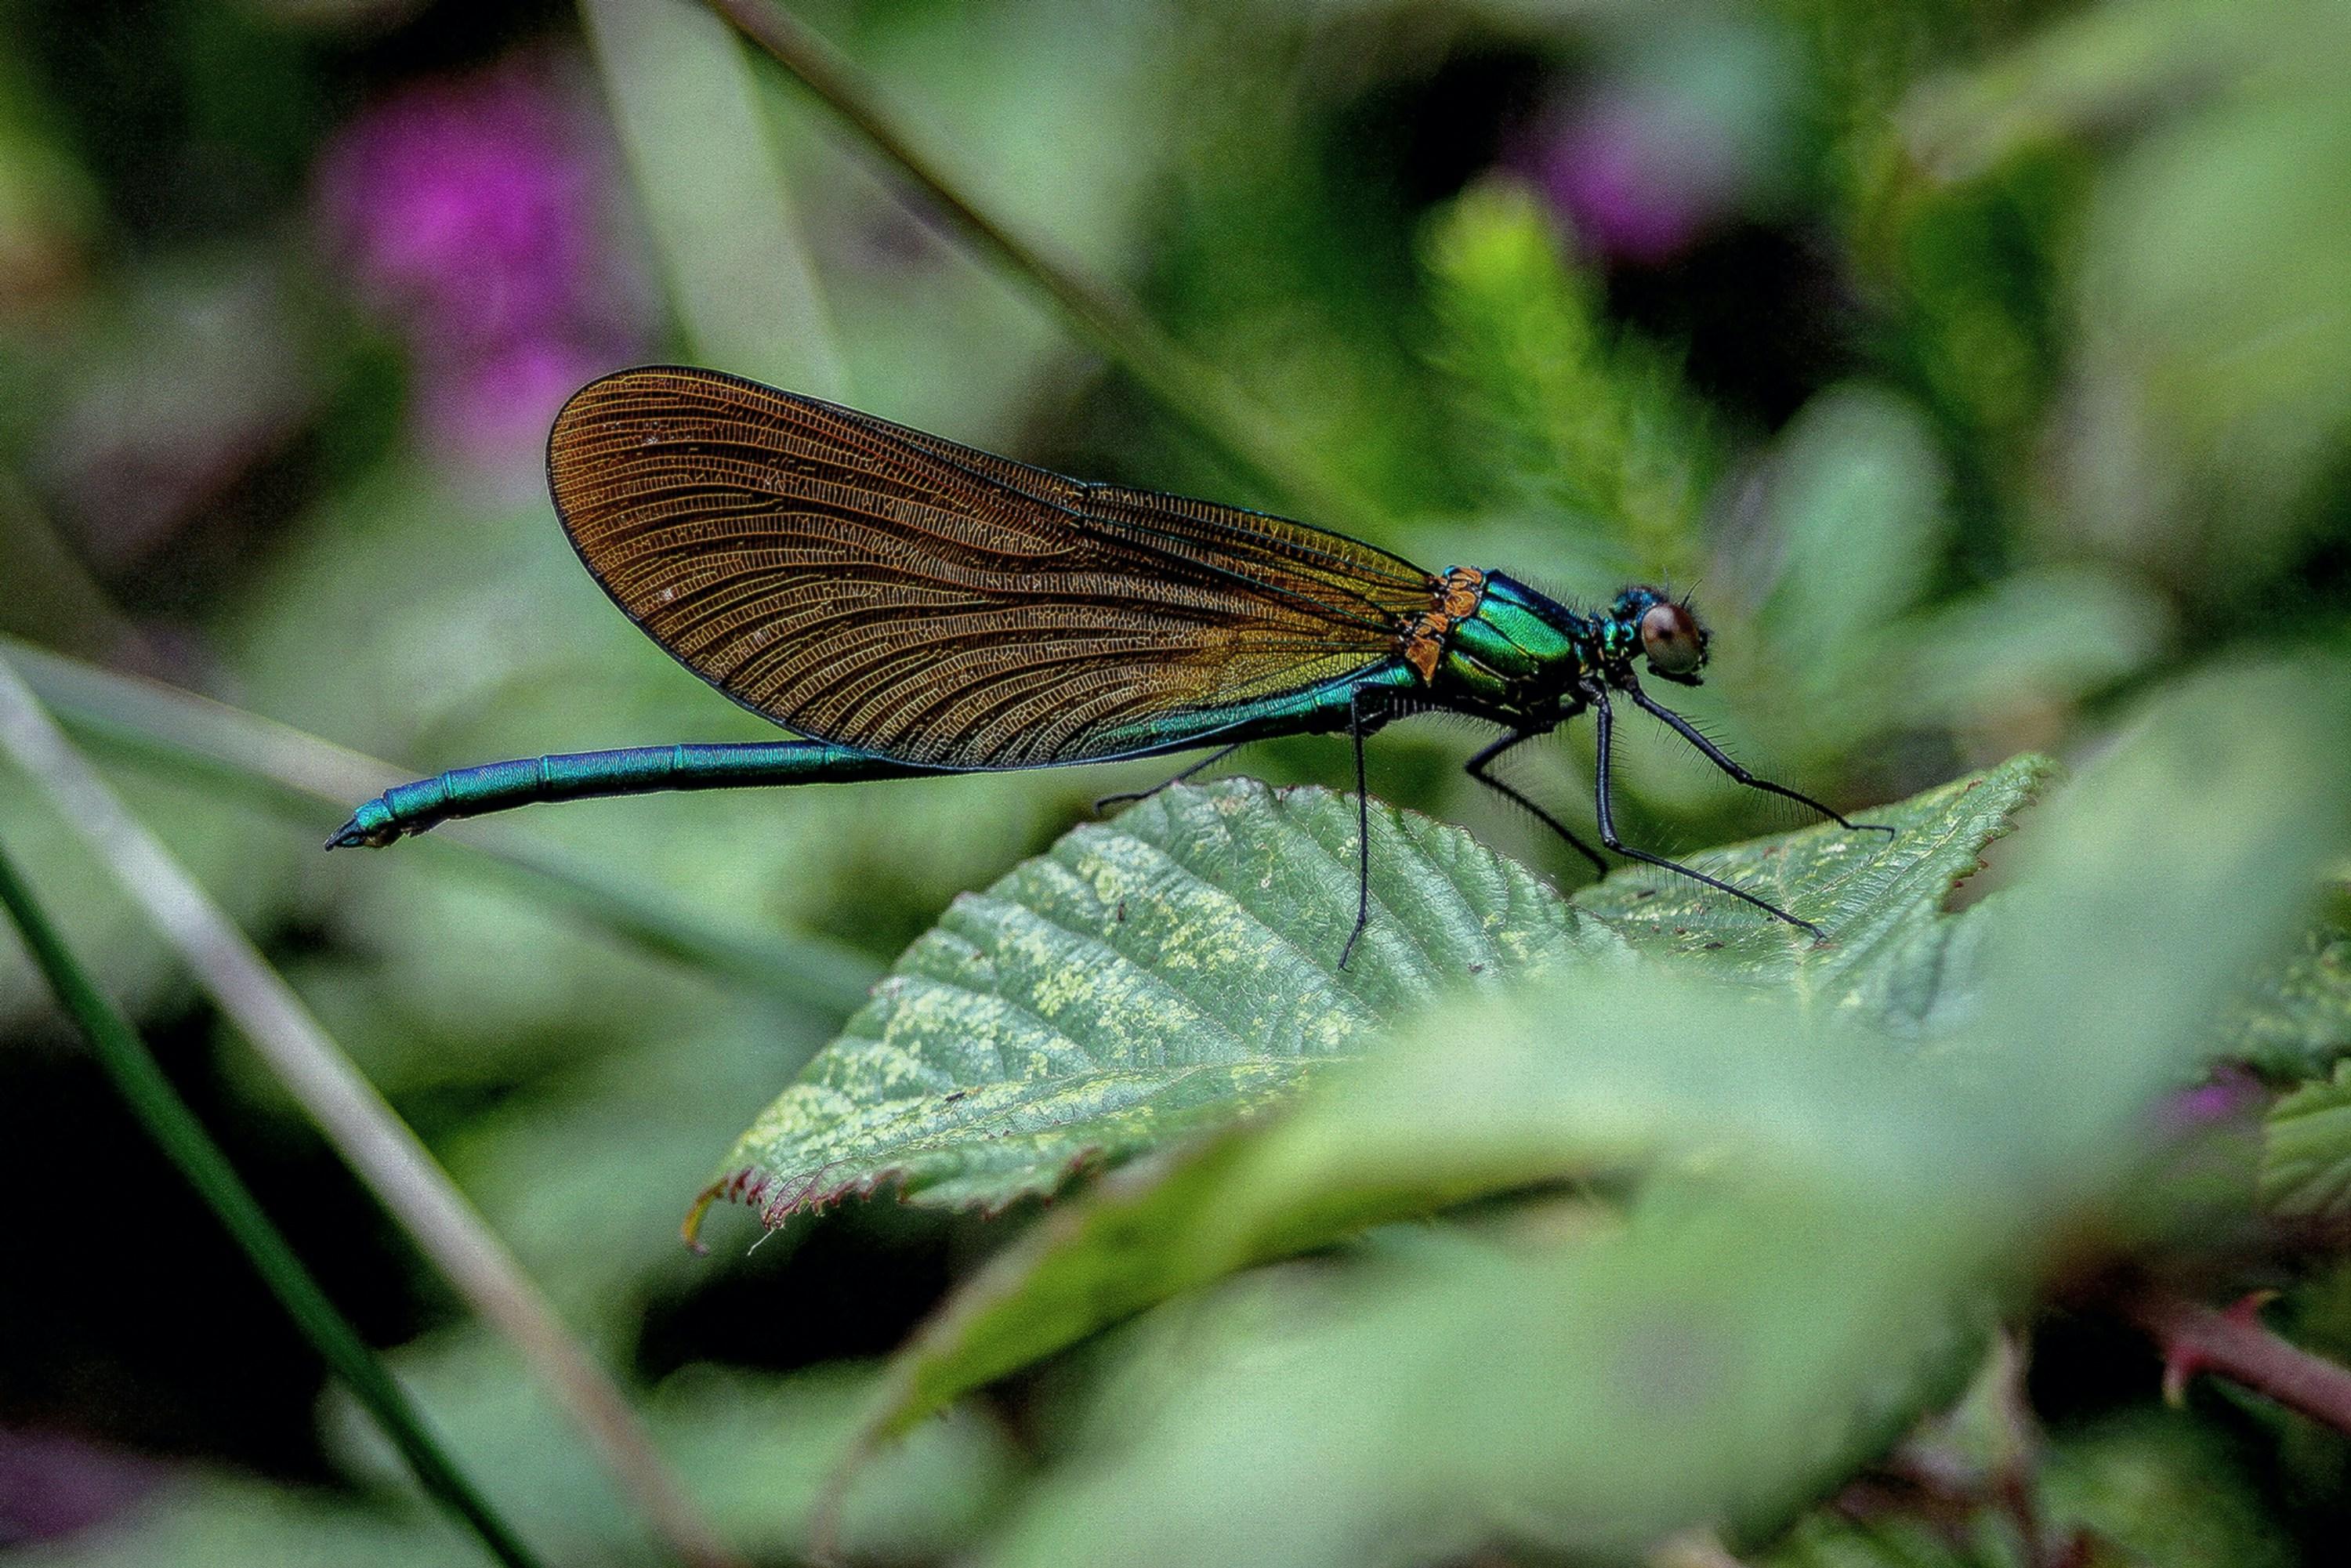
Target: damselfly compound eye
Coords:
[[1670, 635]]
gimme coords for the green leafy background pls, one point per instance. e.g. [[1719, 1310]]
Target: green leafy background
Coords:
[[1989, 395]]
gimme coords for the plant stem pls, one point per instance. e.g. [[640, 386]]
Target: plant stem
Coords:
[[1185, 385], [293, 769], [719, 204], [176, 1131], [2235, 1345], [365, 1131]]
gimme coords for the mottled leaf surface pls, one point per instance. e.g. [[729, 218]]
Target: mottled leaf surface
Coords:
[[1175, 968], [1877, 898]]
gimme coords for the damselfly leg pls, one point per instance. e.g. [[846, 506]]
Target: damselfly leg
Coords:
[[1714, 754], [1607, 720], [1355, 732], [1476, 768]]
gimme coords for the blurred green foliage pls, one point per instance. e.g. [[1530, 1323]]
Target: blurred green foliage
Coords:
[[1982, 365]]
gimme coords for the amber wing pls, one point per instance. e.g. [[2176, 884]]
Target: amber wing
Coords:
[[872, 586]]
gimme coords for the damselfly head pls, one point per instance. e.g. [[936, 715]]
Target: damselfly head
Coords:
[[1669, 632]]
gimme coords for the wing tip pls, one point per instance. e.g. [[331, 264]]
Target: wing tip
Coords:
[[580, 403], [633, 386]]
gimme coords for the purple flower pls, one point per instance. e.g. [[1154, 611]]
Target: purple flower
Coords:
[[52, 1484], [1682, 132], [1640, 177], [2231, 1094], [470, 213]]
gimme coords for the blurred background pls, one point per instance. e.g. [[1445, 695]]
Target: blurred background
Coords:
[[1975, 362]]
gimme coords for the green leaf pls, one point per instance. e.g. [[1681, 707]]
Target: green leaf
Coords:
[[2306, 1151], [2295, 1020], [1830, 1539], [2148, 1487], [2212, 366], [1503, 1104], [1856, 523], [1474, 1120], [1164, 973], [2104, 67], [2034, 641], [1876, 897], [1454, 1388], [1822, 1224], [1176, 969], [753, 1447], [2157, 1487]]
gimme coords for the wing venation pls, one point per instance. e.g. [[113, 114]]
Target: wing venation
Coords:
[[876, 587]]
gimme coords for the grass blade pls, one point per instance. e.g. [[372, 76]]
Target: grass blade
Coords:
[[366, 1133], [295, 772], [1189, 388], [176, 1131], [715, 197]]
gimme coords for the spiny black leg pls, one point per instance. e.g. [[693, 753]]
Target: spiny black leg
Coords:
[[1608, 832], [1714, 754], [1125, 796], [1476, 769], [1363, 830]]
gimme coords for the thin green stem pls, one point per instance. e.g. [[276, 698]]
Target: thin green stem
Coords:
[[176, 1131], [1185, 385], [296, 772], [720, 209]]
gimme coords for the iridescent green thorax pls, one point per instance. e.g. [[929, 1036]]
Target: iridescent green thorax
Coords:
[[1517, 648]]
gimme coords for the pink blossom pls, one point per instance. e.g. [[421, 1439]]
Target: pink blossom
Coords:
[[1640, 177], [471, 215]]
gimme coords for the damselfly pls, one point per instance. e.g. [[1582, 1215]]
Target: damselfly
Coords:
[[912, 606]]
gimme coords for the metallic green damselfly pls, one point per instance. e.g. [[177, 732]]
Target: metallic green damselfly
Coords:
[[912, 606]]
